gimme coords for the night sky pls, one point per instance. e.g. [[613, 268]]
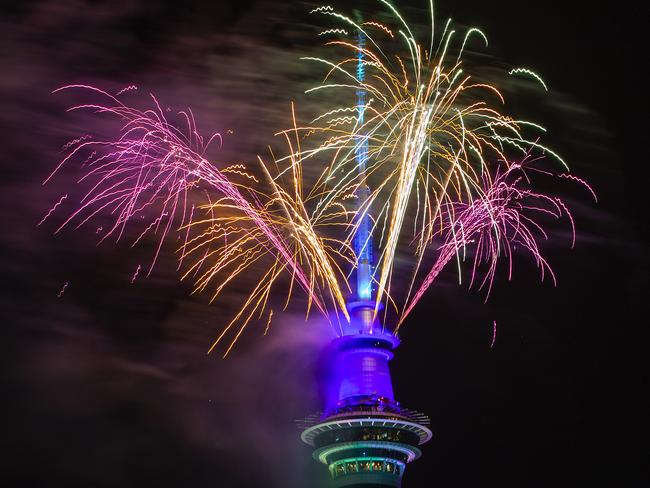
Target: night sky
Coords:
[[110, 385]]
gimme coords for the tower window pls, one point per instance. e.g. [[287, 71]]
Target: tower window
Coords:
[[351, 467], [364, 466]]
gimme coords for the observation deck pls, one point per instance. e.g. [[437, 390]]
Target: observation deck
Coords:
[[364, 436]]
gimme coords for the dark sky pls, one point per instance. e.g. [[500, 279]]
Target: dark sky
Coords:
[[110, 385]]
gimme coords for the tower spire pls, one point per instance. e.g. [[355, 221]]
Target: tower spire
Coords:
[[363, 237]]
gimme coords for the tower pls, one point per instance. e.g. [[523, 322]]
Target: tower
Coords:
[[364, 436]]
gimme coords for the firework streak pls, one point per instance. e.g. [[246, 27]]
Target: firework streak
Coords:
[[445, 174], [62, 290], [52, 210]]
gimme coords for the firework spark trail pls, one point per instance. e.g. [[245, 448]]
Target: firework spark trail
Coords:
[[582, 182], [62, 291], [530, 73], [52, 209], [494, 334], [135, 275], [74, 142], [268, 322], [126, 89], [89, 158]]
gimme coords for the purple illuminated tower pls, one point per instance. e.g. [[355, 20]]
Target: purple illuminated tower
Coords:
[[363, 436]]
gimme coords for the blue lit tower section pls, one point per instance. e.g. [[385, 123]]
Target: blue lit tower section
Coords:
[[363, 239], [364, 436]]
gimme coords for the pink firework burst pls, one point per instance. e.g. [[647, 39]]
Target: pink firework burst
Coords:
[[146, 175], [504, 216]]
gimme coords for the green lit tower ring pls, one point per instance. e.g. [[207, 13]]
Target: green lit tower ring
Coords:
[[366, 451]]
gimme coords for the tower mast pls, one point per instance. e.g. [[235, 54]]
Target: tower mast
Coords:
[[363, 237]]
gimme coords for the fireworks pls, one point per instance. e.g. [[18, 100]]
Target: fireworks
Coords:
[[434, 139], [147, 177], [423, 163]]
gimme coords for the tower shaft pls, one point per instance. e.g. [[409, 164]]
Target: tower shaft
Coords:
[[363, 236]]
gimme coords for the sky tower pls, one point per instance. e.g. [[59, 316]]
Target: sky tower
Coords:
[[364, 436]]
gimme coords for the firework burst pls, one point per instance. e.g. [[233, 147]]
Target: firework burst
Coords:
[[434, 140], [424, 162], [150, 174]]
